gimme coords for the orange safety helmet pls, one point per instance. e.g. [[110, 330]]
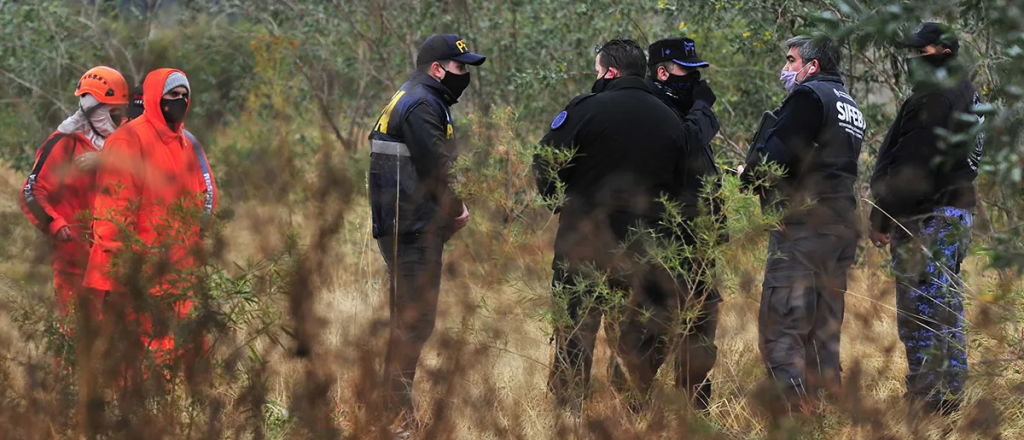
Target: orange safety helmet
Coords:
[[105, 84]]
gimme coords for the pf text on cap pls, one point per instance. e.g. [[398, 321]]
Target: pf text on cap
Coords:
[[441, 47]]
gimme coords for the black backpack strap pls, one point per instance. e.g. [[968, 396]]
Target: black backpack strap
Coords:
[[28, 192]]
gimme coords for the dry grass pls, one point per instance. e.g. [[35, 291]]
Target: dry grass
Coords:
[[502, 318], [483, 373]]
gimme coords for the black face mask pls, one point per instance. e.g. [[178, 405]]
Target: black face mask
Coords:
[[683, 83], [173, 110], [926, 63], [602, 83], [455, 83], [680, 89]]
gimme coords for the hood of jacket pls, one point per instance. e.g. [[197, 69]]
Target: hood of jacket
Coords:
[[152, 93]]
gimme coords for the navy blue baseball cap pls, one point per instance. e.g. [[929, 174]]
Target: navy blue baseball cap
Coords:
[[683, 51], [441, 47]]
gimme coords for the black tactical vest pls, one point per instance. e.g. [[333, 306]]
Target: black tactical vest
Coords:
[[827, 178], [400, 201]]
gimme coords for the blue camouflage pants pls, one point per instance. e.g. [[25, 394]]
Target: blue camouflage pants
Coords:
[[926, 262]]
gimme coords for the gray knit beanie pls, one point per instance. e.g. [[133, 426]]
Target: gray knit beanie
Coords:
[[176, 79]]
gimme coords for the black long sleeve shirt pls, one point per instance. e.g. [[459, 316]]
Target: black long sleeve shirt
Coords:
[[917, 170]]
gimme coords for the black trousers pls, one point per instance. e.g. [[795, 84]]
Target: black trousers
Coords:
[[652, 316], [582, 296], [414, 267], [670, 317], [802, 306]]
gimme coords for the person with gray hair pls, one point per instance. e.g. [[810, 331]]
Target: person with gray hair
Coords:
[[816, 141]]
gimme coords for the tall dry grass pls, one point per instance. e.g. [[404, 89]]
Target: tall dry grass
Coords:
[[485, 368]]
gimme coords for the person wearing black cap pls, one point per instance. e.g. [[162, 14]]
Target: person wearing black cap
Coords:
[[817, 141], [923, 186], [673, 74], [629, 149], [413, 203]]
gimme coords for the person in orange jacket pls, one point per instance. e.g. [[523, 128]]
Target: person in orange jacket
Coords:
[[60, 189], [135, 108], [154, 186]]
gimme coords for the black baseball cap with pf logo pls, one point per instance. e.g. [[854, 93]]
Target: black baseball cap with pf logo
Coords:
[[441, 47], [683, 51], [928, 34]]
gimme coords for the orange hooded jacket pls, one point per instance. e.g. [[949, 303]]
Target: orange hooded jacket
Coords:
[[58, 194], [151, 181]]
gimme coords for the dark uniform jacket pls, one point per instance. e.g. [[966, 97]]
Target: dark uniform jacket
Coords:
[[412, 152], [817, 139], [701, 125], [629, 149], [917, 171]]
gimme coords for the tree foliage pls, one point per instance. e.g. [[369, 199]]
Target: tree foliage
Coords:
[[285, 93]]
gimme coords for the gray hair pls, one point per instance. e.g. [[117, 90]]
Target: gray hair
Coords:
[[818, 47]]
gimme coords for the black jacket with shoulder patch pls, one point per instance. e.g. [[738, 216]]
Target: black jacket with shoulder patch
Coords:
[[629, 151]]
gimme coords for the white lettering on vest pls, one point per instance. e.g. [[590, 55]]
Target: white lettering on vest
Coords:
[[851, 115]]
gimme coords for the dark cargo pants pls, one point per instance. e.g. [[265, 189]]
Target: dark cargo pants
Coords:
[[582, 297], [649, 316], [414, 272], [669, 317], [802, 306], [930, 304]]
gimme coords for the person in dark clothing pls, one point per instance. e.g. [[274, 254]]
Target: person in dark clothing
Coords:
[[816, 140], [629, 151], [414, 206], [923, 186], [673, 74]]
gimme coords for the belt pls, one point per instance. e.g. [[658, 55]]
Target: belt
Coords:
[[392, 148]]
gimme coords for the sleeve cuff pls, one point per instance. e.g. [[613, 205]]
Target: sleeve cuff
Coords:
[[57, 224], [879, 221]]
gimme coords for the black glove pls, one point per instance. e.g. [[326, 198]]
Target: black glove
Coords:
[[702, 92]]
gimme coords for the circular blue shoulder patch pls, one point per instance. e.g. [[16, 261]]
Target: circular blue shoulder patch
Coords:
[[559, 120]]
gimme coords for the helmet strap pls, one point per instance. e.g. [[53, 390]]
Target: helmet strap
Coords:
[[88, 119]]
